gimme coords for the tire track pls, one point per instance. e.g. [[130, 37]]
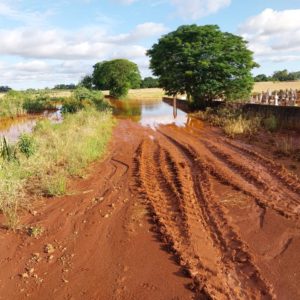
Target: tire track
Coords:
[[264, 187], [234, 251], [177, 186], [262, 181], [290, 180]]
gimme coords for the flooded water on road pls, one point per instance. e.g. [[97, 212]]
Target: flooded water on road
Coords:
[[153, 114], [147, 113]]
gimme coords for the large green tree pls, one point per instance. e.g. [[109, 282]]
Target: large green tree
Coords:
[[203, 62], [117, 76]]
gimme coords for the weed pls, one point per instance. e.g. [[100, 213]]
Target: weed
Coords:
[[35, 231], [7, 151], [54, 185], [27, 145]]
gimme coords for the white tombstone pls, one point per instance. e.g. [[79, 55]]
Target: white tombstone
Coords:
[[276, 97], [260, 97]]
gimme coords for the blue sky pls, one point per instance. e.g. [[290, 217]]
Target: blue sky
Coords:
[[44, 43]]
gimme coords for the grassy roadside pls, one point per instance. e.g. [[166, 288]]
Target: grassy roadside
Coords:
[[234, 122], [14, 104], [40, 163]]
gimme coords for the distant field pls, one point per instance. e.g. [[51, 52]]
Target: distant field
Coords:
[[60, 93], [156, 93], [143, 94], [264, 86]]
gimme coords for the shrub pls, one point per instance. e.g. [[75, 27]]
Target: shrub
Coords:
[[38, 103], [71, 106], [84, 98], [27, 144]]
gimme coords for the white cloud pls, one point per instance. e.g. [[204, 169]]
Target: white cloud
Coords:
[[195, 9], [188, 9], [87, 43], [274, 35], [50, 56]]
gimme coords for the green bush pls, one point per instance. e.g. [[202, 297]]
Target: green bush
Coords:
[[38, 103], [72, 106], [27, 145], [84, 98]]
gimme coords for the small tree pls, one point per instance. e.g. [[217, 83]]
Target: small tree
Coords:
[[117, 76], [203, 62]]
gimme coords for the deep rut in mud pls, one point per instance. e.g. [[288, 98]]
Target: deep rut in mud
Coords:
[[176, 174]]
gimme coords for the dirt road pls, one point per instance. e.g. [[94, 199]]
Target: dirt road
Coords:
[[172, 213]]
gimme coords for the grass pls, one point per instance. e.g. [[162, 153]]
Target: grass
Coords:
[[49, 155], [14, 104], [285, 146], [232, 121], [241, 126]]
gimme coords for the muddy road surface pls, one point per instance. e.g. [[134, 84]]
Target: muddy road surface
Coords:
[[172, 212]]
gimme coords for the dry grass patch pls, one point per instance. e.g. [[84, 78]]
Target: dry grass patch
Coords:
[[275, 86]]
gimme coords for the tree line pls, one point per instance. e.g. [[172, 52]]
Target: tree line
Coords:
[[4, 89], [282, 75]]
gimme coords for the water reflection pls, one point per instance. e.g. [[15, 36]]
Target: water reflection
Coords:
[[12, 128], [153, 113], [148, 113]]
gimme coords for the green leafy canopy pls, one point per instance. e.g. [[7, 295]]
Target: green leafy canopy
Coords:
[[203, 62], [117, 76]]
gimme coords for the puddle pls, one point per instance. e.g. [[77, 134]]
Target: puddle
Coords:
[[148, 113], [12, 128], [153, 114]]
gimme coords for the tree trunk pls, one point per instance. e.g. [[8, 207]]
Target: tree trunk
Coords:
[[174, 107]]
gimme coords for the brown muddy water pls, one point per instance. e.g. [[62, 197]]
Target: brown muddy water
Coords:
[[153, 113], [147, 113], [12, 128]]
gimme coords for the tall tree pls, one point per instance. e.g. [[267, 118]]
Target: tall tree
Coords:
[[203, 62], [117, 76]]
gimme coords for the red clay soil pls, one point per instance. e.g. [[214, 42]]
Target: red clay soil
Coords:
[[170, 214]]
